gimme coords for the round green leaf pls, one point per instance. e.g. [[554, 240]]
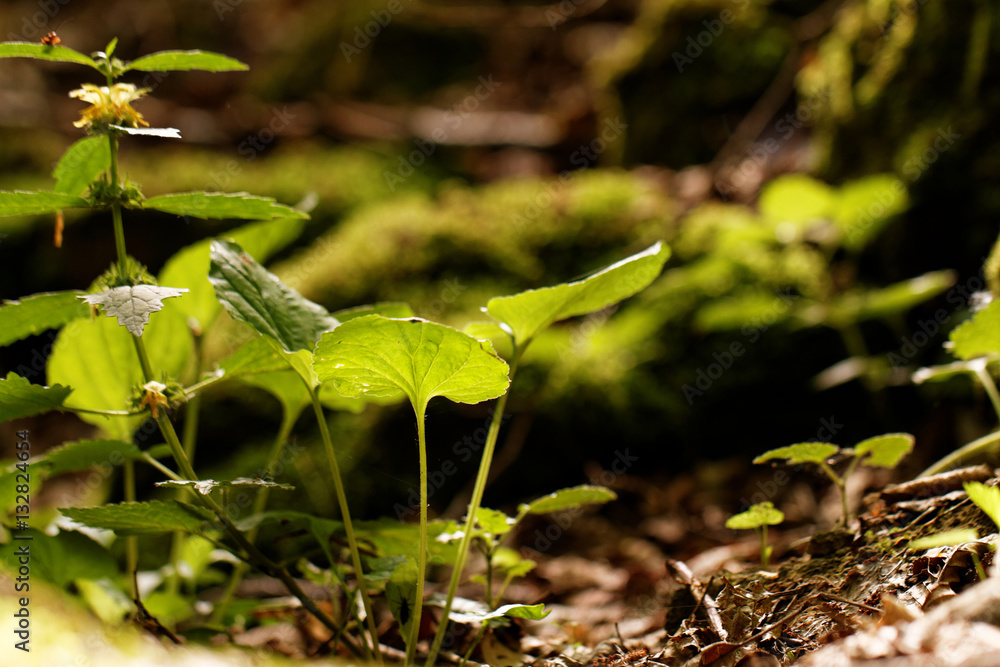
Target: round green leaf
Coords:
[[570, 498], [761, 514], [803, 452], [885, 450], [386, 358]]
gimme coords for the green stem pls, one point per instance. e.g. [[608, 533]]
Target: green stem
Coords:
[[260, 503], [345, 514], [183, 463], [765, 556], [131, 542], [989, 385], [194, 405], [474, 503], [979, 447], [411, 642]]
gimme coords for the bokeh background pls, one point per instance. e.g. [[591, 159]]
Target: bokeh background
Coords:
[[453, 151]]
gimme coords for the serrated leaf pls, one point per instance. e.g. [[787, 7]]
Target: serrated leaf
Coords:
[[947, 538], [19, 398], [251, 294], [987, 498], [18, 202], [529, 312], [219, 205], [978, 336], [42, 52], [189, 267], [206, 486], [570, 498], [254, 356], [803, 452], [162, 132], [179, 61], [898, 298], [81, 164], [155, 516], [84, 454], [886, 450], [34, 314], [386, 358], [133, 305], [98, 359], [761, 514]]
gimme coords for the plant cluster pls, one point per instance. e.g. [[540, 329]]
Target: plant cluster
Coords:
[[144, 361]]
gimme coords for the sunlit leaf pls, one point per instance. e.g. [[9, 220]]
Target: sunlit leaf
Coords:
[[133, 305], [166, 61], [987, 498], [978, 336], [31, 315], [162, 132], [19, 202], [43, 52], [803, 452], [189, 267], [898, 298], [761, 514], [570, 498], [251, 294], [206, 486], [796, 199], [209, 205], [385, 358], [885, 450], [83, 454], [947, 538], [529, 312], [155, 516], [19, 398], [81, 164]]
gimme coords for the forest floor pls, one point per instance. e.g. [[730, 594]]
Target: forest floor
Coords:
[[666, 586]]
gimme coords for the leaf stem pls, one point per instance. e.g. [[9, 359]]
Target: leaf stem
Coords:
[[338, 485], [474, 504], [989, 385], [977, 447], [131, 542], [411, 642]]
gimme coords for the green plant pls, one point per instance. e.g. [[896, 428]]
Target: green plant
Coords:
[[884, 451], [758, 517], [150, 362]]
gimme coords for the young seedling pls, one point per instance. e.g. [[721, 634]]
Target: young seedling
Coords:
[[884, 451], [758, 517], [987, 498], [417, 359]]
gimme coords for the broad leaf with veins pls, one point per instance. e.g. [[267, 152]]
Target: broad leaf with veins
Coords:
[[132, 305]]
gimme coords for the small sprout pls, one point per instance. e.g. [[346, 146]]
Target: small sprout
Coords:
[[884, 451], [951, 538], [758, 518]]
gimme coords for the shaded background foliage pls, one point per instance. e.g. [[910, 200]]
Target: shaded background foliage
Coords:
[[433, 147]]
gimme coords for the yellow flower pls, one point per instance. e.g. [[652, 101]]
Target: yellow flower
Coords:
[[109, 106]]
